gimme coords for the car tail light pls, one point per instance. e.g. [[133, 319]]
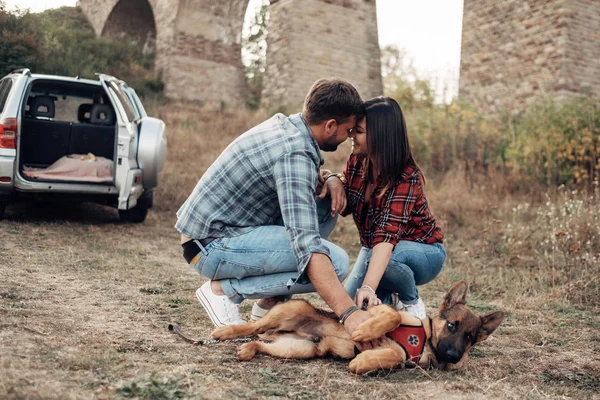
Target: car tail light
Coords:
[[8, 133]]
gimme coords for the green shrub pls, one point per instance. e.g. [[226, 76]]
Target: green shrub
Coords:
[[550, 144], [556, 142], [62, 42]]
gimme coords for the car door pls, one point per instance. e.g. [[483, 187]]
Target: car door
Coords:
[[136, 101], [128, 175]]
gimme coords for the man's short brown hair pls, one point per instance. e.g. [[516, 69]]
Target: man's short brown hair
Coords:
[[332, 98]]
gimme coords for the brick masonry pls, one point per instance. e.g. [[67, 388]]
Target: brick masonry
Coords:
[[198, 46], [311, 39], [516, 50]]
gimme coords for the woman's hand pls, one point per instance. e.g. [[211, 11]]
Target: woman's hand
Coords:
[[323, 174], [365, 294], [335, 188]]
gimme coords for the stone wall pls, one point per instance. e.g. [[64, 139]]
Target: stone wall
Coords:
[[312, 39], [164, 12], [582, 64], [516, 50], [198, 46]]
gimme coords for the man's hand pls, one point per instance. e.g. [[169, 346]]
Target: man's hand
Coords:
[[335, 188], [322, 275], [353, 321]]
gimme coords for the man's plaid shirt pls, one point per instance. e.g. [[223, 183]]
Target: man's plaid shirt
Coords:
[[271, 171], [401, 213]]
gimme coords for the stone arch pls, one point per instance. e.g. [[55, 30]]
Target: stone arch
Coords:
[[133, 19], [198, 46]]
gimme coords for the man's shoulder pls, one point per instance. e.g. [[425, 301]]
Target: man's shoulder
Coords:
[[282, 131], [277, 121]]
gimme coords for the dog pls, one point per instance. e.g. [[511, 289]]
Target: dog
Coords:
[[296, 329]]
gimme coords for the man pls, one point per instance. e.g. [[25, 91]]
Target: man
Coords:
[[253, 225]]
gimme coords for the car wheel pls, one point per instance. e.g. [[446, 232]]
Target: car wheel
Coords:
[[2, 211], [146, 199], [136, 215]]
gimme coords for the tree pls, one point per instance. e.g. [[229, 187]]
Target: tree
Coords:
[[62, 42], [401, 80], [254, 53], [19, 45]]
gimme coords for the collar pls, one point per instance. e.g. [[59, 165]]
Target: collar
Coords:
[[300, 123], [428, 328]]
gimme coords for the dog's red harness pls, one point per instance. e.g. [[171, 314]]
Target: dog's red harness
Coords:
[[411, 339]]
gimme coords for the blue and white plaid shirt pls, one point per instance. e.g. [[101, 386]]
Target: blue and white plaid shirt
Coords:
[[270, 171]]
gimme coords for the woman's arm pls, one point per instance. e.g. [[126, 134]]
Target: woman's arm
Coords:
[[377, 266], [395, 213]]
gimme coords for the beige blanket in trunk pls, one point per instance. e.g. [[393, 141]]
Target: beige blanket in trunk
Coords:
[[75, 167]]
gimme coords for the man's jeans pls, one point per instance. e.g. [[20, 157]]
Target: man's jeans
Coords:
[[260, 264], [411, 264]]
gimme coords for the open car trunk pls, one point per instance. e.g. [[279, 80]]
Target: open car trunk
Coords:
[[68, 133]]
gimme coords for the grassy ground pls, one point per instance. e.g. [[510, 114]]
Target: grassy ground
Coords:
[[85, 300]]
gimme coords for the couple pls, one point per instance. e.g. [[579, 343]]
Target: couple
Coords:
[[257, 221]]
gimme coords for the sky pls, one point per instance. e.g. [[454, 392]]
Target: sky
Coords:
[[428, 30]]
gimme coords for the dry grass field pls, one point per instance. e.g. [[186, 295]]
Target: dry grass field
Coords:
[[85, 300]]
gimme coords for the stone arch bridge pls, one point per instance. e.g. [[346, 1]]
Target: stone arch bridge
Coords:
[[197, 45]]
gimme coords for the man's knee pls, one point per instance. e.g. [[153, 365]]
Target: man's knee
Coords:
[[340, 261]]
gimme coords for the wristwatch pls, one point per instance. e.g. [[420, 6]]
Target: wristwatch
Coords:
[[341, 177]]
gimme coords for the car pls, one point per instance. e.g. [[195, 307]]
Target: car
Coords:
[[83, 140]]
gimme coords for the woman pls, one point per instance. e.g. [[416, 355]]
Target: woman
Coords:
[[401, 243]]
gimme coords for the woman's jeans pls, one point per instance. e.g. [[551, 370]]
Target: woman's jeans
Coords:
[[260, 264], [411, 264]]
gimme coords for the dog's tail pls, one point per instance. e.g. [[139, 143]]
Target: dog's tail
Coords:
[[176, 329]]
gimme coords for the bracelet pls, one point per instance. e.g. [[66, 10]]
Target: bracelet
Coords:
[[341, 177], [366, 287], [347, 313]]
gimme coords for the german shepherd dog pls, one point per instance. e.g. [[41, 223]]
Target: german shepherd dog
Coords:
[[296, 329]]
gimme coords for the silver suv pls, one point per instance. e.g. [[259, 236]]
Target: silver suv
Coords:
[[76, 139]]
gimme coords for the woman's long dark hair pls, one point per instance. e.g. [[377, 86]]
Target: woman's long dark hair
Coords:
[[387, 141]]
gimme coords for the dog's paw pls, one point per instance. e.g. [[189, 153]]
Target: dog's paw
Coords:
[[358, 367], [226, 332], [247, 351], [363, 334]]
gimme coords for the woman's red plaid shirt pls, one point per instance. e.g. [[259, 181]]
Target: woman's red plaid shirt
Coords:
[[401, 213]]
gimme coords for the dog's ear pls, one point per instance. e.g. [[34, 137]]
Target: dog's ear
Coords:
[[456, 295], [489, 323]]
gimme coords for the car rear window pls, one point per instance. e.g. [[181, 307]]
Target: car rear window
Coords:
[[5, 86], [69, 99]]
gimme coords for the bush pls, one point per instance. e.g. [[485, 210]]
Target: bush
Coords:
[[550, 144], [62, 42], [556, 142], [19, 45]]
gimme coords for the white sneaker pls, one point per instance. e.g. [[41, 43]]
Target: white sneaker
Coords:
[[257, 312], [220, 309], [418, 309]]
